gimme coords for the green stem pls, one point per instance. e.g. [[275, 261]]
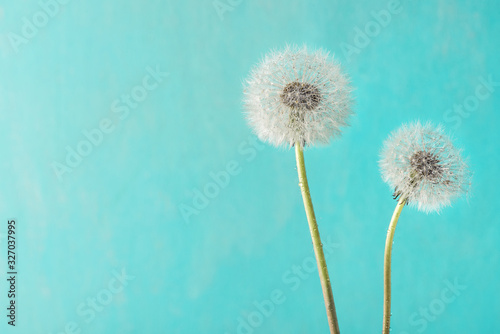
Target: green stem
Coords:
[[318, 247], [387, 265]]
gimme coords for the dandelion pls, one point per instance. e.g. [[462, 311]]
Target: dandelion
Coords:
[[426, 171], [295, 97]]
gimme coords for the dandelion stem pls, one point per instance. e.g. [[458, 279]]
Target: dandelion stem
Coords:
[[387, 264], [318, 247]]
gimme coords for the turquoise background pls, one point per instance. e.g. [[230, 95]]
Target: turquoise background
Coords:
[[120, 207]]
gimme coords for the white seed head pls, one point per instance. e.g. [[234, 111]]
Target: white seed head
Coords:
[[295, 95], [422, 165]]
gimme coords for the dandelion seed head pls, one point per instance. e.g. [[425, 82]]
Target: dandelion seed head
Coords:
[[300, 96], [422, 165], [426, 165], [297, 95]]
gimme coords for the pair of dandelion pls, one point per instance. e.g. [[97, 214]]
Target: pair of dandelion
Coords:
[[299, 98]]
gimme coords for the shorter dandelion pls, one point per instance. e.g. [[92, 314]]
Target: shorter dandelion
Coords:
[[426, 171], [296, 97]]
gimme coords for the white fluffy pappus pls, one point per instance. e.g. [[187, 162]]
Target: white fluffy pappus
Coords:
[[297, 95], [422, 165]]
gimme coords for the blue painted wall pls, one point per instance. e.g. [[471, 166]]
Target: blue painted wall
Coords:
[[115, 114]]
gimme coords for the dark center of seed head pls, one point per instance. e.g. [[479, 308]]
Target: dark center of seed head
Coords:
[[426, 165], [303, 96]]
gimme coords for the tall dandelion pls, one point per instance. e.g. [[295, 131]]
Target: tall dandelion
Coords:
[[426, 171], [297, 97]]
